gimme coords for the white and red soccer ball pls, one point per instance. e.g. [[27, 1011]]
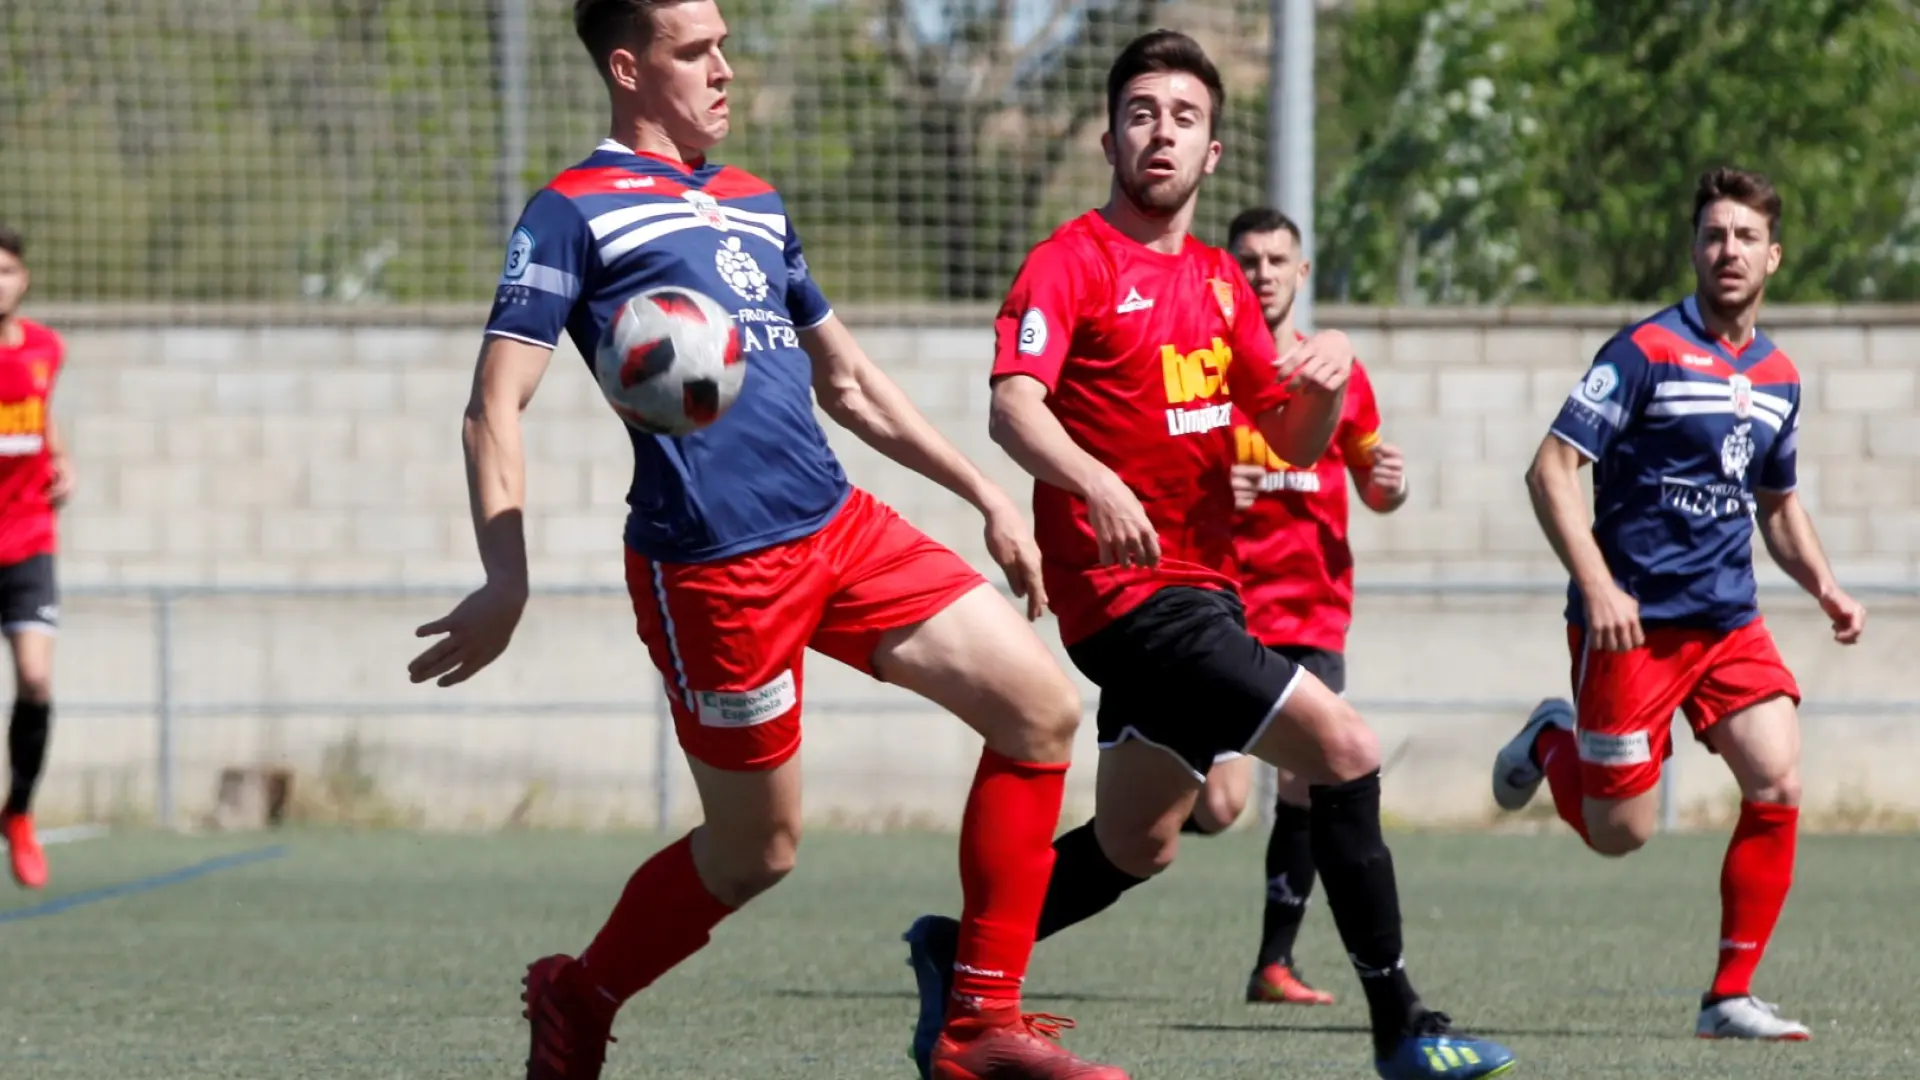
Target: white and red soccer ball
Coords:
[[669, 362]]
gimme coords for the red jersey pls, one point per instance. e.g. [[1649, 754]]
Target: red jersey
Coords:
[[1296, 570], [1134, 347], [27, 371]]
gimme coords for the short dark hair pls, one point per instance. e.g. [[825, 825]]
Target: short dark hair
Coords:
[[1164, 50], [1750, 189], [13, 243], [1260, 219], [606, 25]]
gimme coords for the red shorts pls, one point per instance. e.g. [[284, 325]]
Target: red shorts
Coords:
[[1625, 701], [729, 636]]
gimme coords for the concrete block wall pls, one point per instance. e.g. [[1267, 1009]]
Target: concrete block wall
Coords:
[[254, 448]]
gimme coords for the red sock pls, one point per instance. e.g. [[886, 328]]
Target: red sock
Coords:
[[664, 916], [1753, 888], [1559, 758], [1006, 857]]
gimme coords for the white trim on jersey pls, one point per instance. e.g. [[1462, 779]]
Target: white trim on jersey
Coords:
[[1610, 411], [547, 279], [1573, 442], [1700, 407], [518, 337], [626, 242], [613, 221]]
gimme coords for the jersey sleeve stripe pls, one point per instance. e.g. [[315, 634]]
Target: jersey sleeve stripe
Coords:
[[518, 337], [547, 279], [1573, 442], [1610, 411]]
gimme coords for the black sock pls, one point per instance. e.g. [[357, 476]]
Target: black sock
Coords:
[[1358, 872], [1084, 883], [1289, 883], [27, 751]]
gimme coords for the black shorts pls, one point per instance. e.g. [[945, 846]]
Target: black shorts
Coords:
[[29, 596], [1180, 672], [1326, 665]]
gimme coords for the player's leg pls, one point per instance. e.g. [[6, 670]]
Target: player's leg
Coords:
[[1759, 738], [28, 614], [1289, 875], [727, 639], [1601, 755], [1314, 732], [913, 613], [1289, 867], [1222, 797]]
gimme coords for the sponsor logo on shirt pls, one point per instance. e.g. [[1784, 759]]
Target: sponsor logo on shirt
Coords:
[[1194, 376], [1250, 448], [1134, 302]]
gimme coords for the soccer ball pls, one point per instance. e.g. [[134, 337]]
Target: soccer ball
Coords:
[[669, 362]]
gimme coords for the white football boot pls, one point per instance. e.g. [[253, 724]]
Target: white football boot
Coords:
[[1515, 774], [1748, 1018]]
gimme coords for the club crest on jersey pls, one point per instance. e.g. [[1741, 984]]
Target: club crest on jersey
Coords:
[[42, 374], [1741, 388], [1223, 295], [1736, 452], [708, 208]]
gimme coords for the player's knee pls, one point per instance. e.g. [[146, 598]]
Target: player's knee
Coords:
[[1219, 807], [1779, 788], [35, 687], [1142, 855], [1350, 748], [1614, 839], [1052, 718], [737, 876]]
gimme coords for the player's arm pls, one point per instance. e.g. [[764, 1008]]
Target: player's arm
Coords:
[[1378, 469], [60, 478], [1787, 530], [1031, 338], [1295, 400], [546, 262], [1591, 419], [860, 397], [1022, 424]]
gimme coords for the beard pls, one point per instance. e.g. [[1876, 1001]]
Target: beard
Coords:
[[1729, 303], [1161, 197]]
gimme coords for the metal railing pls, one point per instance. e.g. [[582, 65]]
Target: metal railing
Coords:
[[169, 710]]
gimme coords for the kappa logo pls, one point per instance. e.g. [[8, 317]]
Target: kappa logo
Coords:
[[1134, 302]]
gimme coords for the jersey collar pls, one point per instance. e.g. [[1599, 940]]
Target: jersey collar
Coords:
[[615, 146], [1735, 354]]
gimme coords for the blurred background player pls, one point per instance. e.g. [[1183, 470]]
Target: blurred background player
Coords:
[[1690, 419], [36, 477], [1121, 350], [746, 546], [1296, 576]]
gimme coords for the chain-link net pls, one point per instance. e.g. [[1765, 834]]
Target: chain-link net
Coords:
[[375, 151]]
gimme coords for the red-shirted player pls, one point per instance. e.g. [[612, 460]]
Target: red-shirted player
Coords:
[[1296, 574], [35, 478], [1123, 347]]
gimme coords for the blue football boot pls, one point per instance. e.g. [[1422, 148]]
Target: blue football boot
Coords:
[[1434, 1051], [932, 941]]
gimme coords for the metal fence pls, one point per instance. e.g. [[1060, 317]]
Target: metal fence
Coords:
[[177, 683]]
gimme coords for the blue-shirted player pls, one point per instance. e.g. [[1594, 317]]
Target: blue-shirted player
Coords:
[[746, 546], [1690, 419]]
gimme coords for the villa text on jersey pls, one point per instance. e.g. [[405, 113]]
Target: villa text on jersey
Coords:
[[1682, 430], [620, 223]]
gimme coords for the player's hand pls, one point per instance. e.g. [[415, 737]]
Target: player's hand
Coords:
[[1613, 619], [1389, 472], [1322, 362], [1246, 484], [477, 631], [59, 481], [1849, 616], [1010, 543], [1120, 524]]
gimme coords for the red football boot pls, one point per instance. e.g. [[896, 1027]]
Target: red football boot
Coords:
[[24, 851], [1006, 1045], [1276, 984], [570, 1036]]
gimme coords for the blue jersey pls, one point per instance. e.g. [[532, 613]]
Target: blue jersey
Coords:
[[1682, 430], [619, 223]]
